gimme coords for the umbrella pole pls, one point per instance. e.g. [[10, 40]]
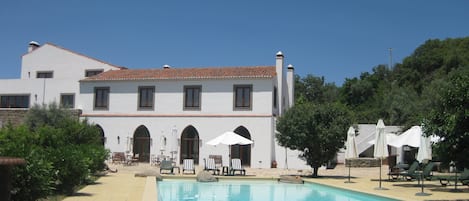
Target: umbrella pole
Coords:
[[380, 164], [349, 167], [348, 181]]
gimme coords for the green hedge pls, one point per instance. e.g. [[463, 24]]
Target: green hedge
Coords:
[[60, 150]]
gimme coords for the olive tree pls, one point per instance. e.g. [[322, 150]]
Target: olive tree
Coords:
[[318, 131]]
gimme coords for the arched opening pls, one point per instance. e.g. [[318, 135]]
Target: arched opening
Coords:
[[101, 134], [189, 144], [141, 144], [242, 152]]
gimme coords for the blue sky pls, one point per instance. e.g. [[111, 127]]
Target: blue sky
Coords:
[[334, 39]]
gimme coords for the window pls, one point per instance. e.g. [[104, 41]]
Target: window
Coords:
[[14, 101], [67, 100], [101, 98], [89, 73], [45, 74], [242, 96], [192, 97], [146, 97]]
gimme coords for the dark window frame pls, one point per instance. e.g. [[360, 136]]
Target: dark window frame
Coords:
[[62, 100], [101, 104], [45, 74], [244, 105], [6, 99], [149, 104], [191, 103]]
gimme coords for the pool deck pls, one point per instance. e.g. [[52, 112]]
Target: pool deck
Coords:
[[124, 186]]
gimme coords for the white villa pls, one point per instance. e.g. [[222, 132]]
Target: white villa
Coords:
[[163, 111]]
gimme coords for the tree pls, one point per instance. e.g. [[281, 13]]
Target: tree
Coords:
[[449, 118], [315, 89], [316, 130]]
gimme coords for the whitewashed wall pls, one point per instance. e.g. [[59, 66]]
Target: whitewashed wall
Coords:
[[217, 97], [207, 128], [64, 63]]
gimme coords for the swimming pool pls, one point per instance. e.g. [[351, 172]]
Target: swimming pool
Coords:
[[254, 190]]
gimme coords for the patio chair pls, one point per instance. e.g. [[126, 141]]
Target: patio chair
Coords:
[[188, 166], [425, 174], [167, 165], [210, 166], [410, 173], [236, 166], [463, 178], [218, 160]]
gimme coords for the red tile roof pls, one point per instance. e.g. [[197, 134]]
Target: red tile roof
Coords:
[[186, 73]]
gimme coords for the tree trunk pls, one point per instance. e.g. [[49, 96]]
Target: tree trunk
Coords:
[[315, 171]]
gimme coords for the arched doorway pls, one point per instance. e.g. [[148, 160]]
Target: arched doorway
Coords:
[[101, 134], [189, 144], [141, 144], [242, 152]]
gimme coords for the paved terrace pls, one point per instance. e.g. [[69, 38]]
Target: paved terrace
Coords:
[[124, 186]]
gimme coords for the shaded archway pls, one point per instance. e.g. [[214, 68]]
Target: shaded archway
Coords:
[[189, 144], [141, 144], [242, 152], [101, 134]]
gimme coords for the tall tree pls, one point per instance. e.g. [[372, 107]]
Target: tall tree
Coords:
[[315, 89], [318, 131], [449, 118]]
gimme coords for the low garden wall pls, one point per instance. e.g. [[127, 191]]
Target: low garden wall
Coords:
[[362, 162]]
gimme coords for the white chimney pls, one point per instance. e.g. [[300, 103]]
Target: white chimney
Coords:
[[32, 46], [280, 81], [291, 85]]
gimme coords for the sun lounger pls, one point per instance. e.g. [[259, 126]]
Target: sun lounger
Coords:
[[425, 174], [188, 166], [406, 173], [463, 178], [210, 166], [218, 160], [236, 166]]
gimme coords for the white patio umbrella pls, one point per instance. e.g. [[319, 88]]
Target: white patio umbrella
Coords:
[[381, 147], [351, 148], [162, 144], [229, 138], [425, 150], [174, 143], [423, 156], [130, 147]]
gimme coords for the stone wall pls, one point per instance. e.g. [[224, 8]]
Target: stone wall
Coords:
[[17, 116], [12, 116], [362, 162]]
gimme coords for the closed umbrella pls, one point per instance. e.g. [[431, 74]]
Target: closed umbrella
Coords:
[[381, 147], [174, 143], [351, 148], [162, 144], [423, 156], [425, 150]]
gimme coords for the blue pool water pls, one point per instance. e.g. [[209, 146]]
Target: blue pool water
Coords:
[[237, 190]]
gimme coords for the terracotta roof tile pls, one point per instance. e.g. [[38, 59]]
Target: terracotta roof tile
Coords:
[[186, 73]]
